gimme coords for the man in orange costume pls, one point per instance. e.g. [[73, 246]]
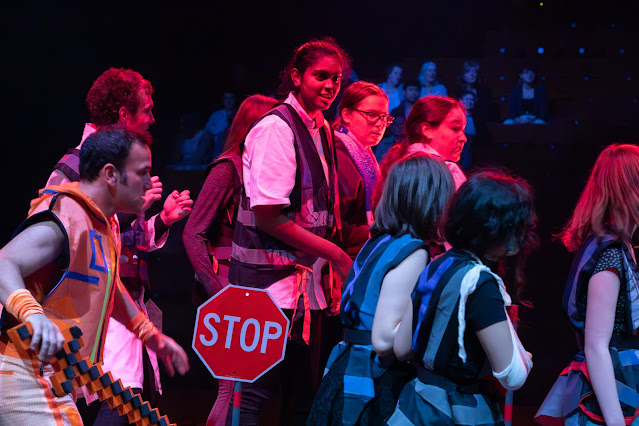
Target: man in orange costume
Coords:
[[62, 269]]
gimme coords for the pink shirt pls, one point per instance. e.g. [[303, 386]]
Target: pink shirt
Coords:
[[458, 175]]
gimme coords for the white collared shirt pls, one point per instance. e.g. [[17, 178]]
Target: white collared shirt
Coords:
[[269, 166]]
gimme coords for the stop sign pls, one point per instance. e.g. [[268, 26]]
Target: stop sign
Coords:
[[240, 333]]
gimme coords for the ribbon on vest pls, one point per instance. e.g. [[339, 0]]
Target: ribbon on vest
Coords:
[[302, 277], [468, 285]]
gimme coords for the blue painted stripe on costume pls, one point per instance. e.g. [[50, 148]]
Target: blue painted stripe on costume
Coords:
[[81, 277], [425, 287], [628, 358], [627, 395], [95, 237], [48, 191], [348, 292], [359, 386]]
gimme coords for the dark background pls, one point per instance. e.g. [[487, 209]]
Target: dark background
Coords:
[[193, 51]]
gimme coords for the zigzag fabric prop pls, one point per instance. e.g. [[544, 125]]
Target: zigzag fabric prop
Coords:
[[70, 372]]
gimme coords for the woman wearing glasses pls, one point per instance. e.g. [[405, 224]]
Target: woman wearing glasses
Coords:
[[363, 118]]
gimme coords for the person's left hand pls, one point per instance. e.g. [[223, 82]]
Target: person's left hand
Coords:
[[177, 206], [153, 194], [171, 354]]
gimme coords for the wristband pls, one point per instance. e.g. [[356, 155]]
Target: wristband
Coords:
[[142, 327], [21, 304]]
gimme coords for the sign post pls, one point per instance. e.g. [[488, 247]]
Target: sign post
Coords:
[[240, 334]]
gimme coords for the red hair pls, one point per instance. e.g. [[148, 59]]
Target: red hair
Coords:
[[354, 94], [114, 89], [431, 110], [610, 200], [249, 111]]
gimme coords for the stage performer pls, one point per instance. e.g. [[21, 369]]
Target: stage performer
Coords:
[[286, 218], [361, 123], [599, 386], [362, 384], [435, 126], [122, 96], [456, 329], [62, 269], [208, 234]]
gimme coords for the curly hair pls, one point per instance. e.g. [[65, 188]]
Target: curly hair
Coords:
[[493, 208], [610, 200], [114, 89], [308, 54]]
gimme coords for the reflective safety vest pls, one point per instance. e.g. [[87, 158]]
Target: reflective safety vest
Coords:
[[259, 260]]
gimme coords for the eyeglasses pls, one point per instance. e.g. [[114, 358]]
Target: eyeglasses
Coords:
[[373, 117]]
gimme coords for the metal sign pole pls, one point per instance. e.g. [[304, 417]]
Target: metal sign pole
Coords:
[[237, 402]]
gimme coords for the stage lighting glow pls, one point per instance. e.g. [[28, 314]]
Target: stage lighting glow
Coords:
[[581, 50], [540, 50]]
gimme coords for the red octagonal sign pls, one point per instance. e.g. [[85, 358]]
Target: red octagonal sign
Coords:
[[240, 333]]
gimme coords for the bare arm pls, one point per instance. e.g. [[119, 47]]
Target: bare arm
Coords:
[[498, 344], [403, 343], [32, 249], [270, 219], [603, 291], [394, 300]]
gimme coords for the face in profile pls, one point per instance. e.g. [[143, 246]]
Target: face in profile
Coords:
[[395, 77], [448, 138], [134, 180], [143, 117], [367, 121]]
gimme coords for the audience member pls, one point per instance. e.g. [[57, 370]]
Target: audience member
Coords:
[[396, 129], [195, 145], [467, 99], [528, 101], [220, 120], [393, 86], [428, 78], [470, 81]]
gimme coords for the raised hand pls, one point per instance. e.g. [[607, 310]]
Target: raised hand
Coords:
[[177, 206], [153, 194]]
